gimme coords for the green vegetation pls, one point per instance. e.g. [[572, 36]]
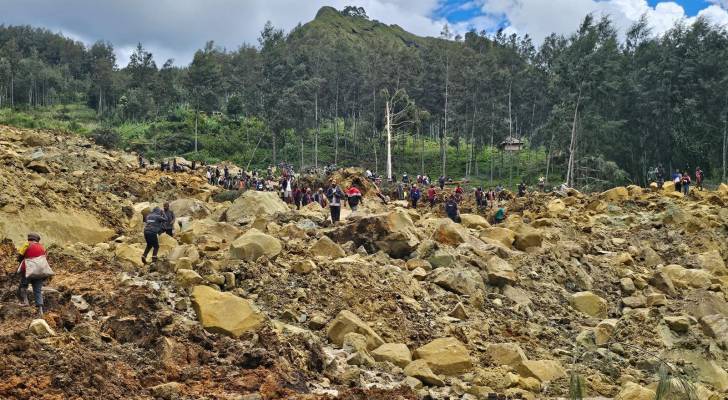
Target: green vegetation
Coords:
[[590, 108]]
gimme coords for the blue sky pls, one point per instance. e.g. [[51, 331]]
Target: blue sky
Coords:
[[459, 11], [539, 18]]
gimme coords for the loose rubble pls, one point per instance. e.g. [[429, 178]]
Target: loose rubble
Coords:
[[252, 299]]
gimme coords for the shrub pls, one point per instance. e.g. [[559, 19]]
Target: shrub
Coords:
[[106, 137]]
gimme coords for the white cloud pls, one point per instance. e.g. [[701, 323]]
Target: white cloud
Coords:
[[539, 18], [176, 28], [715, 14]]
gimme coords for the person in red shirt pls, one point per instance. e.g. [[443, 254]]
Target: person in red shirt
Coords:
[[31, 249], [431, 195]]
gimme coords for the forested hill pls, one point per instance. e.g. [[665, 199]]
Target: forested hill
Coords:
[[614, 103]]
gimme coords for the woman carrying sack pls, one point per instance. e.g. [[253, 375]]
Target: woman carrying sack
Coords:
[[33, 270]]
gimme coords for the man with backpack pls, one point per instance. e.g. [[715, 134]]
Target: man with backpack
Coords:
[[335, 195], [32, 250], [153, 227], [451, 209]]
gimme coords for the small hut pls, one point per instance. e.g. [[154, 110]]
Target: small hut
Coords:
[[511, 144]]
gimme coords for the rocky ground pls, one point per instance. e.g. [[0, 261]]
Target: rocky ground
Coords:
[[255, 300]]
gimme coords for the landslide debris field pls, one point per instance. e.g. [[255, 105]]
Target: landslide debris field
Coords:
[[253, 299]]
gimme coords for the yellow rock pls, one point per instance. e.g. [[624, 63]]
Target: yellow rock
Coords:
[[445, 356], [255, 244], [225, 313], [325, 247], [346, 322], [396, 353], [130, 254], [633, 391], [509, 354], [618, 193], [590, 304], [543, 370], [474, 221], [421, 370], [504, 236], [451, 233]]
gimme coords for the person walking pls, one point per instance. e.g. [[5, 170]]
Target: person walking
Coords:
[[320, 198], [297, 196], [451, 209], [153, 227], [431, 195], [480, 198], [699, 179], [522, 189], [441, 181], [32, 251], [685, 181], [677, 179], [334, 195], [414, 195], [169, 217]]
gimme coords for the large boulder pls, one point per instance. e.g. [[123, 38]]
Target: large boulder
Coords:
[[396, 353], [686, 278], [556, 207], [633, 391], [590, 304], [509, 354], [712, 262], [527, 237], [543, 370], [502, 236], [346, 322], [500, 272], [447, 356], [129, 254], [184, 251], [451, 233], [421, 370], [187, 278], [474, 221], [255, 244], [189, 208], [716, 326], [254, 203], [458, 280], [393, 232], [618, 193], [199, 228], [325, 247], [61, 226], [225, 313]]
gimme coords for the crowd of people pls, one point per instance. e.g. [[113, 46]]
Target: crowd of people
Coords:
[[681, 180]]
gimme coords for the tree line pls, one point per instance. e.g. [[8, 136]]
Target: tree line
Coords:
[[603, 106]]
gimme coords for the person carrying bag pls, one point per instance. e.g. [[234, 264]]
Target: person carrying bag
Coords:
[[33, 270]]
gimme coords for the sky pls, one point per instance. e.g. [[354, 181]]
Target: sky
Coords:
[[176, 28]]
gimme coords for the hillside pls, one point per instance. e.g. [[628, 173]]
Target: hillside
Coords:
[[253, 299], [355, 30]]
